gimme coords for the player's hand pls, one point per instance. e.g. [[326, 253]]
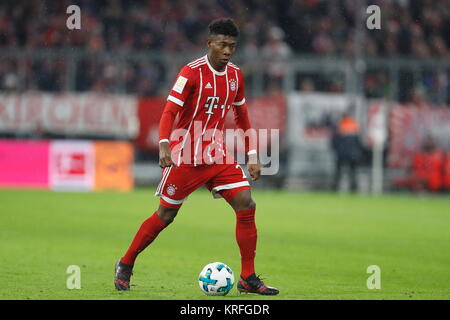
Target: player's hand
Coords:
[[254, 167], [165, 155]]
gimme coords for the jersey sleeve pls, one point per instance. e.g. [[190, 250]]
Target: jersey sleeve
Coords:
[[239, 100], [183, 86]]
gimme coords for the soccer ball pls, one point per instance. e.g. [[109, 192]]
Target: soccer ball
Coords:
[[216, 279]]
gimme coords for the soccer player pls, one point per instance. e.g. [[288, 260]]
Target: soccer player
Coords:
[[194, 154]]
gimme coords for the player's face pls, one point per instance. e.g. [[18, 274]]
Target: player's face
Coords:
[[221, 48]]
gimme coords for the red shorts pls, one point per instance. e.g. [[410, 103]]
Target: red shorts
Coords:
[[223, 180]]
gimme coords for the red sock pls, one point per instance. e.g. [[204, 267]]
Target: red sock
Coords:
[[246, 236], [148, 231]]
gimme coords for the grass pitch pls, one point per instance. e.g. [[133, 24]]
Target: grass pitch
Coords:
[[310, 245]]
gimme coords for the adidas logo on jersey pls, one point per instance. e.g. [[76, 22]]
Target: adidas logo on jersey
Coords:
[[208, 86]]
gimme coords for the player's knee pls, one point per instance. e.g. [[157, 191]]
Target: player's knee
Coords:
[[167, 215], [243, 201], [251, 204]]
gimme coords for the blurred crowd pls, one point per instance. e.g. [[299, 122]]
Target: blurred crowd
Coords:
[[416, 28], [276, 30]]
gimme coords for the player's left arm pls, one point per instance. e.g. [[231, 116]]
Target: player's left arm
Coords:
[[242, 122]]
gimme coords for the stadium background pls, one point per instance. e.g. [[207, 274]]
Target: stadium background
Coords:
[[79, 109]]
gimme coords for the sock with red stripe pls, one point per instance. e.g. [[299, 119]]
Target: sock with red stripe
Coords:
[[148, 231], [246, 236]]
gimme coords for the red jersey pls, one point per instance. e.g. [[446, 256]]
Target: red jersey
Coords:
[[205, 96]]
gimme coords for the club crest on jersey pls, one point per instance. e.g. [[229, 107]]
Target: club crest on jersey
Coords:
[[171, 189], [232, 85]]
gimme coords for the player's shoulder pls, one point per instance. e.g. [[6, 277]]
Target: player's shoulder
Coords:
[[195, 64], [191, 69], [233, 66]]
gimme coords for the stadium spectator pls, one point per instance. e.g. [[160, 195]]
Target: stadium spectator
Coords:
[[347, 150], [426, 168], [277, 52]]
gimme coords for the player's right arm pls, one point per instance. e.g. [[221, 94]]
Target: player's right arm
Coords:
[[180, 92], [165, 127]]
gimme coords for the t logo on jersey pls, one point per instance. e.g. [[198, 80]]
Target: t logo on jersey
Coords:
[[211, 102]]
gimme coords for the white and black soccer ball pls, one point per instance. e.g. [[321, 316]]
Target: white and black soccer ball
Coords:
[[216, 279]]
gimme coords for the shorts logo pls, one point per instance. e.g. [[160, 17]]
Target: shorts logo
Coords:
[[171, 189], [232, 85]]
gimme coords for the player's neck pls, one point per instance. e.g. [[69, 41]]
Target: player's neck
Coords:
[[214, 65]]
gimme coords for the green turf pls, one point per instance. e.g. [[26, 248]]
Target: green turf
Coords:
[[310, 245]]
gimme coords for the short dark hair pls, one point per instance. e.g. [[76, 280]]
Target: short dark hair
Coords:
[[225, 26]]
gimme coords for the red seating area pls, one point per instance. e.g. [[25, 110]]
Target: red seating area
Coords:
[[429, 171]]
